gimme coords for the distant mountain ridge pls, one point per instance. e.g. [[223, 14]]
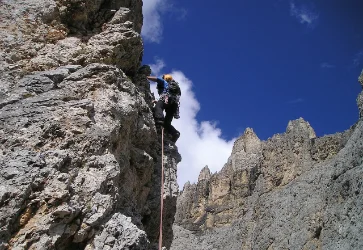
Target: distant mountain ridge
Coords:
[[293, 191]]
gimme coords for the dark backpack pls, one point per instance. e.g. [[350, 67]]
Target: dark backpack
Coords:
[[174, 88]]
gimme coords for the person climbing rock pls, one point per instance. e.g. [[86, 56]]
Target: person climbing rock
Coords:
[[169, 100]]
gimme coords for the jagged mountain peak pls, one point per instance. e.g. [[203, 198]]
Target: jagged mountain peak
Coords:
[[205, 174], [300, 127], [248, 142]]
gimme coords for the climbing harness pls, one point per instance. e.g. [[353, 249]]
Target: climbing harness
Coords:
[[161, 191]]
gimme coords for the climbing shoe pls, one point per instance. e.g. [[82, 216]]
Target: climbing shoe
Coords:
[[175, 137]]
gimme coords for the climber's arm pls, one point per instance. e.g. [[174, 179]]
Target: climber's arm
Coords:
[[152, 78]]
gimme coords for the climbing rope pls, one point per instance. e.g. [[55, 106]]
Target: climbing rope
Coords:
[[161, 191]]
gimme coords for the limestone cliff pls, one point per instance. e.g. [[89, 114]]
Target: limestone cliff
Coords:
[[79, 155], [293, 191]]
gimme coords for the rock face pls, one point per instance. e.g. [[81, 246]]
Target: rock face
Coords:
[[293, 191], [80, 157], [45, 34]]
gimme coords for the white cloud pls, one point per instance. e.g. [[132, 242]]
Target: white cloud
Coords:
[[327, 65], [157, 67], [152, 28], [303, 14], [200, 143]]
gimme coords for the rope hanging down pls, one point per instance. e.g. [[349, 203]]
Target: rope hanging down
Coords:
[[161, 191]]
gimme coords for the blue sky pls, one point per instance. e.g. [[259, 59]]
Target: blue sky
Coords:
[[258, 64]]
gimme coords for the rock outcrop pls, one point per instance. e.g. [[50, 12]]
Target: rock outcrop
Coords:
[[293, 191], [80, 157]]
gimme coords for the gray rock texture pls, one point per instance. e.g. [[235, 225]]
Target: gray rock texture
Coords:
[[44, 34], [120, 233], [293, 191], [80, 157]]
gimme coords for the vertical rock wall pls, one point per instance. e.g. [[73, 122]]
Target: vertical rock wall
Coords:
[[79, 153]]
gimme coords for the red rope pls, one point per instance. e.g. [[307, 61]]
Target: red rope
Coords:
[[161, 191]]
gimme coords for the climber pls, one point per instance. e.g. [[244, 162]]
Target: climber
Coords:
[[169, 96]]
